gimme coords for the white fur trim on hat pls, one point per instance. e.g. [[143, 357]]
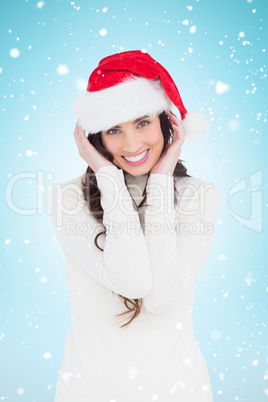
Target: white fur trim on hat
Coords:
[[129, 100], [195, 126]]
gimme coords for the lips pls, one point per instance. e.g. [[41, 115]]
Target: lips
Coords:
[[137, 159]]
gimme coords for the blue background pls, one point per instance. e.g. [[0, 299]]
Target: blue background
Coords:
[[220, 69]]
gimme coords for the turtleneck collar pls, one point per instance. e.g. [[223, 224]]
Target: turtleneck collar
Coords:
[[136, 186]]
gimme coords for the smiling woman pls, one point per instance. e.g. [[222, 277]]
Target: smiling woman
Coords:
[[136, 145], [144, 245]]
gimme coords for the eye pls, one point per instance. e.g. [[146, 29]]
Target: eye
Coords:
[[112, 131], [143, 123]]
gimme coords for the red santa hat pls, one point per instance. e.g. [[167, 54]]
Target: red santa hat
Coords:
[[129, 85]]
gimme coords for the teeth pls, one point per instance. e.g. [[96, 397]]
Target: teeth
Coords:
[[136, 158]]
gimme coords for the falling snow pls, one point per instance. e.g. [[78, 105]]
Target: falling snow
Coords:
[[81, 84], [62, 69], [40, 4], [103, 32], [222, 257], [221, 87], [14, 53], [193, 29]]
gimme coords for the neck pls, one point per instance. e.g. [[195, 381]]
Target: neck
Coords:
[[136, 185]]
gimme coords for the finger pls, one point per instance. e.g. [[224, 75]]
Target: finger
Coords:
[[173, 117], [178, 130], [76, 129], [178, 139], [77, 134], [82, 135], [174, 120], [78, 143], [79, 137]]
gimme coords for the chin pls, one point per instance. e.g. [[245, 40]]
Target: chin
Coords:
[[136, 171]]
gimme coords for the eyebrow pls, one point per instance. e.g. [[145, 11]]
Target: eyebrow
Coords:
[[134, 121]]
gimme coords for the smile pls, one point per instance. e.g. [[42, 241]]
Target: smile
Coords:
[[138, 159]]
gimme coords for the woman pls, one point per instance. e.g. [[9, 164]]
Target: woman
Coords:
[[136, 231]]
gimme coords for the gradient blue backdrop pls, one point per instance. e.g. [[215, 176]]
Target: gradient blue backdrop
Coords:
[[216, 53]]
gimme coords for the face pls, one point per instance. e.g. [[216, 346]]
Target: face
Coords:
[[136, 145]]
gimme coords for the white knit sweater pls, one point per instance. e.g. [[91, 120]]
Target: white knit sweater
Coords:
[[155, 253]]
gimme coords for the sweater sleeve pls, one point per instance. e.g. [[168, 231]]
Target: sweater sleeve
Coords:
[[178, 239], [119, 267]]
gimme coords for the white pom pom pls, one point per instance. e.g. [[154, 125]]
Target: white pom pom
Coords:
[[195, 126]]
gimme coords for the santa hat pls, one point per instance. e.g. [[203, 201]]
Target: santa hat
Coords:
[[129, 85]]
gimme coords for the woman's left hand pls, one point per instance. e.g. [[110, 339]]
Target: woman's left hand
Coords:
[[167, 162]]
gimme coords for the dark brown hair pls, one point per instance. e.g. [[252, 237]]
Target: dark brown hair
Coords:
[[92, 196]]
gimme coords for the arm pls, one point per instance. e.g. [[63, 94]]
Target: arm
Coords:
[[180, 249], [124, 265]]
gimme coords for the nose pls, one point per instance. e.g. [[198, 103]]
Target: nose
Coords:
[[132, 145]]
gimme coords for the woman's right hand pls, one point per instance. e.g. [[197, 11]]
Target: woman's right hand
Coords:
[[88, 152]]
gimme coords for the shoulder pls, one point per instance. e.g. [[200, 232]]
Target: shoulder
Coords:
[[192, 191]]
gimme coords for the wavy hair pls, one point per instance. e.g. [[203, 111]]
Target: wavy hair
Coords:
[[92, 196]]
